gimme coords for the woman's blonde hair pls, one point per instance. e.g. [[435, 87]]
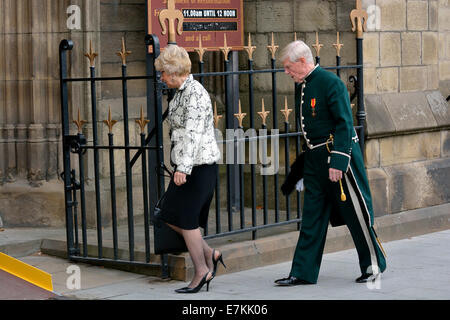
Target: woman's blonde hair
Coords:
[[174, 60]]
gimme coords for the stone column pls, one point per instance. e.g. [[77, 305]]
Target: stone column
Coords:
[[30, 32], [2, 92]]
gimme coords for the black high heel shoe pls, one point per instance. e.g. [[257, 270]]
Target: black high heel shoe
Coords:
[[216, 262], [197, 288]]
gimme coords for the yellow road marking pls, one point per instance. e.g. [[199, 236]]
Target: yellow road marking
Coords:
[[26, 272]]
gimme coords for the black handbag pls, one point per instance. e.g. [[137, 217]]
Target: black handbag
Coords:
[[167, 240], [157, 211]]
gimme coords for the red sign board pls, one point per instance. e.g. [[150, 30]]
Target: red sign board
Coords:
[[210, 19]]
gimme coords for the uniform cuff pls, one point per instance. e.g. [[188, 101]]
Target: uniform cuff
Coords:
[[339, 160]]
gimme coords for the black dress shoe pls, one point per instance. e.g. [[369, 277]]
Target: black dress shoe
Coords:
[[291, 281], [197, 288], [364, 278]]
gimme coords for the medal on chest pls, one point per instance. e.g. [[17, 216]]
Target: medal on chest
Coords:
[[313, 107]]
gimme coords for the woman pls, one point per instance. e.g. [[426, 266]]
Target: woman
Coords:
[[194, 155]]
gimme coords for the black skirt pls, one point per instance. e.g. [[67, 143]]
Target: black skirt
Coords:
[[187, 206]]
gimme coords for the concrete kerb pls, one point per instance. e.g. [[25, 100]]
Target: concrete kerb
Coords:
[[21, 249]]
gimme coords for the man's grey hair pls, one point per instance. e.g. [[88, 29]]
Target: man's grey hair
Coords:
[[295, 50]]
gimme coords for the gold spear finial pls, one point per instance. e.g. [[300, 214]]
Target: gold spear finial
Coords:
[[317, 46], [225, 49], [249, 48], [200, 50], [142, 122], [79, 123], [359, 19], [272, 48], [240, 116], [123, 53], [216, 117], [110, 122], [171, 14], [286, 111], [263, 112], [338, 46], [91, 54]]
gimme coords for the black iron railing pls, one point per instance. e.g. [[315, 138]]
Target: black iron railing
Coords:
[[261, 210]]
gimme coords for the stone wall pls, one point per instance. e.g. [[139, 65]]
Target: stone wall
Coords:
[[31, 192], [408, 118], [29, 90], [407, 78], [30, 32]]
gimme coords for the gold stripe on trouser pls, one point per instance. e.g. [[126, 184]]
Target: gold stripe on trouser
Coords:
[[363, 224]]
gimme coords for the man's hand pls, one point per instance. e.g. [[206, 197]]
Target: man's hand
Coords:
[[335, 175], [179, 178]]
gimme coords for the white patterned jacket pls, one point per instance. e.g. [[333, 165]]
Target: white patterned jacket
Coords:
[[191, 127]]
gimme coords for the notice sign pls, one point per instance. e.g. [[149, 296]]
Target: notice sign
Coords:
[[210, 19]]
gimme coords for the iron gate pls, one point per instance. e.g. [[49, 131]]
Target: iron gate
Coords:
[[247, 204], [76, 212]]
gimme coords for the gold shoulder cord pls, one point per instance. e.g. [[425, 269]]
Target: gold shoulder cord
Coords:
[[343, 197]]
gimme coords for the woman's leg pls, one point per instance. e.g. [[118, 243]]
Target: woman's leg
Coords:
[[207, 251], [195, 245]]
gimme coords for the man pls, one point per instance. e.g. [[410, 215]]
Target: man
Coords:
[[332, 169]]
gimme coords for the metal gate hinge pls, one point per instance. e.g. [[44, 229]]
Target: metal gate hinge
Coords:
[[75, 142]]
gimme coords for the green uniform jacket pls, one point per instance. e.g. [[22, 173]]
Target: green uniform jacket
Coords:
[[323, 108]]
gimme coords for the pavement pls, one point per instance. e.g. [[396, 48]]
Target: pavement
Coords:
[[417, 269], [19, 289]]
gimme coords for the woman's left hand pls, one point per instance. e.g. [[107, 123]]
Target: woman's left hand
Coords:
[[179, 178]]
